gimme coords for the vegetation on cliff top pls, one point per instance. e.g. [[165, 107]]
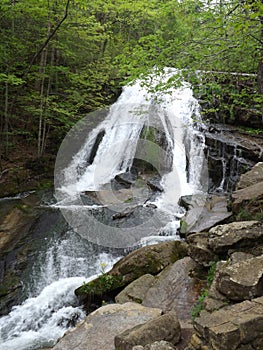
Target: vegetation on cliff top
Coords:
[[61, 59]]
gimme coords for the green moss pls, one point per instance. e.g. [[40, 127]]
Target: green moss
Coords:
[[101, 285], [179, 251], [184, 227]]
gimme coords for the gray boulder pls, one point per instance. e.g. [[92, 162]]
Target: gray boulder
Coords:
[[99, 328], [204, 213], [175, 289], [165, 327], [241, 280], [236, 327], [235, 236], [136, 291], [247, 200], [252, 177], [150, 259]]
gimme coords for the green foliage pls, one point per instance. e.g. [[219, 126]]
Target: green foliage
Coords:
[[196, 309], [103, 284], [103, 44]]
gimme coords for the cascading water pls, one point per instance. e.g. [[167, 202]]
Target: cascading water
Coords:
[[51, 306]]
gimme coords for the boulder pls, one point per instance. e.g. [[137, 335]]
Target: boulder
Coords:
[[251, 177], [150, 259], [98, 330], [235, 327], [198, 249], [165, 327], [146, 260], [136, 291], [174, 289], [204, 213], [243, 235], [248, 202], [241, 280]]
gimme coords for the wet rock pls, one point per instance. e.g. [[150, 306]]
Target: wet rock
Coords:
[[174, 289], [98, 329], [22, 223], [136, 290], [230, 153], [165, 327], [204, 213], [154, 184], [235, 327], [241, 280], [126, 180]]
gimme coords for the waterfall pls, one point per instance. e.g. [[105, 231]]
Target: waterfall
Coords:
[[174, 113], [100, 147], [52, 307]]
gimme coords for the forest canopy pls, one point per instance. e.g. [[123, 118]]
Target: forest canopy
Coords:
[[61, 59]]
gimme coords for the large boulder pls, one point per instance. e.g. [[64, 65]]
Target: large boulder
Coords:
[[236, 327], [165, 327], [247, 200], [136, 290], [251, 177], [175, 289], [146, 260], [150, 259], [222, 240], [98, 330], [203, 213], [243, 235], [241, 280]]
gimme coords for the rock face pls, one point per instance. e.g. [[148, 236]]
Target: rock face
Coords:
[[165, 327], [230, 153], [237, 327], [98, 330], [23, 228], [221, 241], [235, 236]]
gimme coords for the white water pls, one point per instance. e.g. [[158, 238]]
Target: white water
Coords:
[[46, 314], [52, 306]]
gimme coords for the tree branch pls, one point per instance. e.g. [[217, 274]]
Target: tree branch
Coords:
[[44, 45]]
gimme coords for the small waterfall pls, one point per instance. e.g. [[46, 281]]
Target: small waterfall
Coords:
[[52, 306]]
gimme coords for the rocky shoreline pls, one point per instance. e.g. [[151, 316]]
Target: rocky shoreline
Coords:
[[203, 293]]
